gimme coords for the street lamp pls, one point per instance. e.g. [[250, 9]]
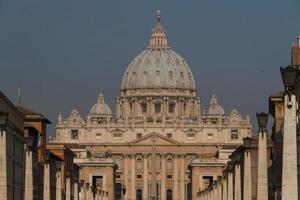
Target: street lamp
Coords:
[[289, 76], [3, 119], [262, 120], [58, 165], [247, 142]]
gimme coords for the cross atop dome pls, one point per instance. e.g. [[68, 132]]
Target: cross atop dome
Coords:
[[158, 37]]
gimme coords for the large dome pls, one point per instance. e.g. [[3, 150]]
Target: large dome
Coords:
[[158, 67]]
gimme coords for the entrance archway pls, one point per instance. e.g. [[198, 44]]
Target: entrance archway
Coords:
[[169, 194], [139, 194]]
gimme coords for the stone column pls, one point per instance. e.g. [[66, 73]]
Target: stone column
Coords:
[[215, 190], [224, 189], [46, 190], [58, 185], [219, 189], [201, 182], [237, 182], [75, 185], [163, 177], [145, 183], [247, 175], [91, 195], [205, 194], [175, 193], [3, 165], [133, 195], [182, 178], [262, 167], [68, 188], [82, 190], [28, 193], [87, 192], [126, 177], [289, 162], [230, 186]]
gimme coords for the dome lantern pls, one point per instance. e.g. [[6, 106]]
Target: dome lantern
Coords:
[[158, 37]]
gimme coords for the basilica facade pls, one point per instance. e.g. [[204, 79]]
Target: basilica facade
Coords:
[[161, 142]]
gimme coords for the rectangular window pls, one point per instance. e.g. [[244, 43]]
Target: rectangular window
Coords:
[[208, 180], [169, 135], [117, 135], [234, 135], [157, 107], [210, 136], [139, 176], [171, 107], [138, 135], [190, 135], [98, 136], [144, 107], [74, 134]]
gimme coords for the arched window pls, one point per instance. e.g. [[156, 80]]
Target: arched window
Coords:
[[169, 194]]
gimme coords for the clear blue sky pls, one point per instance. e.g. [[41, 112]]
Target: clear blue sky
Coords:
[[65, 52]]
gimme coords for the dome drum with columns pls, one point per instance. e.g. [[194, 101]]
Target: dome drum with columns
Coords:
[[158, 101]]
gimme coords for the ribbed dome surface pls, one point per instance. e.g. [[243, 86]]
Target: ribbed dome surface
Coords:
[[158, 67], [100, 108]]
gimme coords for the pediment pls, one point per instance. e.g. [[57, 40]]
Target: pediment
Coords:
[[160, 140]]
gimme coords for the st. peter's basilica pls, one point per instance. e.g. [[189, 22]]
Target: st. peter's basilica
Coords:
[[161, 141]]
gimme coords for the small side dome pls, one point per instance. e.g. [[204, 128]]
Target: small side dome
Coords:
[[214, 108], [100, 108]]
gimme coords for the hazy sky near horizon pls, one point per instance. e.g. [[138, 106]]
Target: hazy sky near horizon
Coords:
[[65, 52]]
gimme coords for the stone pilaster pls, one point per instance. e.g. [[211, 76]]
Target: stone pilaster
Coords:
[[75, 185], [182, 177], [126, 177], [230, 186], [163, 177], [237, 182], [68, 188], [224, 189], [145, 183], [28, 193], [58, 185], [289, 160], [133, 190], [247, 176], [3, 165], [175, 194], [46, 190]]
